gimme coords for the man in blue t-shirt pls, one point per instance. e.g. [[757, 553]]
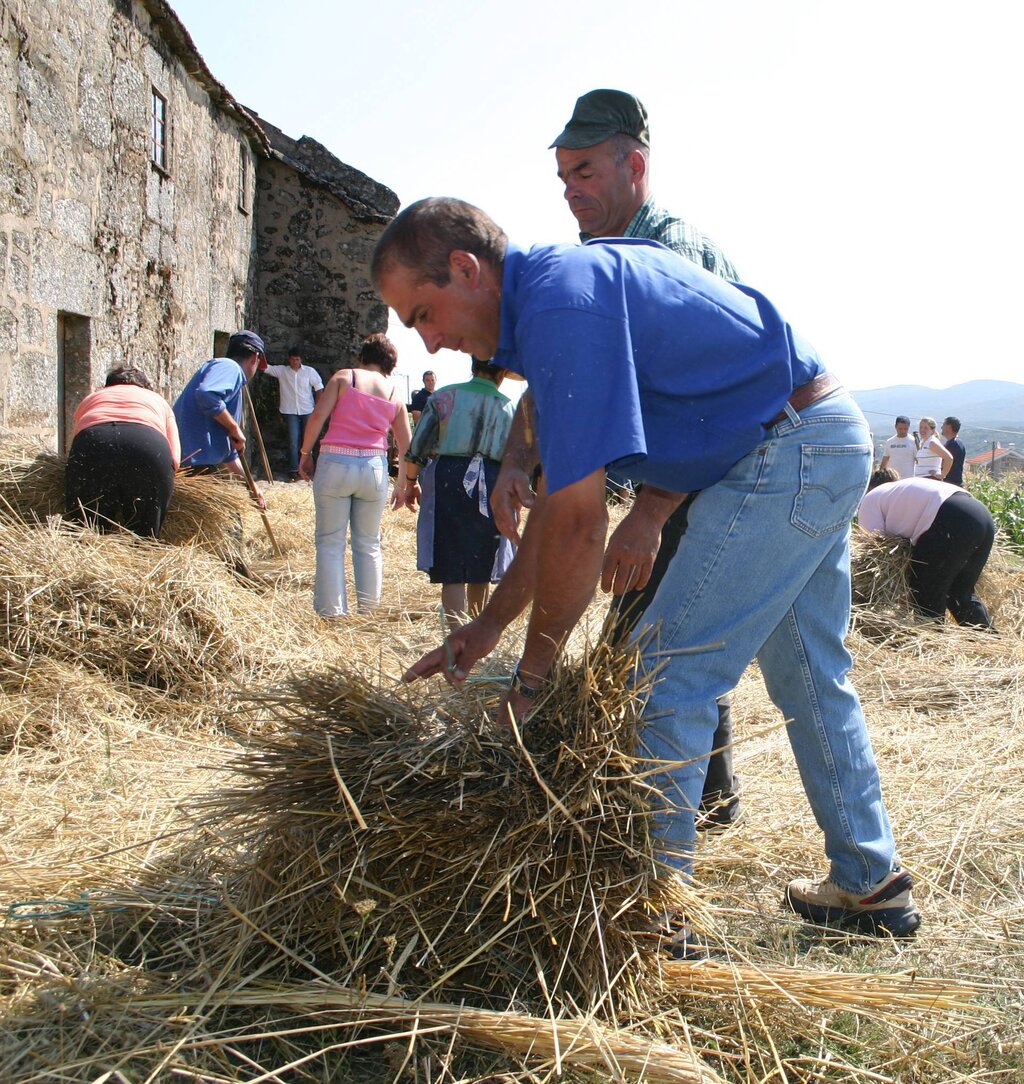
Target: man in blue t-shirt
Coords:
[[625, 345], [209, 409], [955, 447]]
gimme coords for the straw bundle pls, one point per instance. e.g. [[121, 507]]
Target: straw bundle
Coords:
[[206, 511], [883, 604], [410, 846], [81, 608]]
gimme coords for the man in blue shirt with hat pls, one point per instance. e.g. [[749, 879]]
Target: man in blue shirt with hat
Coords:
[[209, 409], [625, 346]]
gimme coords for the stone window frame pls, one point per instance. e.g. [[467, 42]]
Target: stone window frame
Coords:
[[243, 179], [159, 132]]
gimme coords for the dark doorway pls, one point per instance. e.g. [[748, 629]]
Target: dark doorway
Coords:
[[74, 371], [220, 343]]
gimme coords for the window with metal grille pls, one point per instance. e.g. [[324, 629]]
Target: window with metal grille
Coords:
[[158, 131], [243, 179]]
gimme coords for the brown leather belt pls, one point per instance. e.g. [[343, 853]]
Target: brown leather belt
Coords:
[[806, 394]]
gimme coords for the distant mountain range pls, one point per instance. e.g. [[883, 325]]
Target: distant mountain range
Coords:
[[990, 410]]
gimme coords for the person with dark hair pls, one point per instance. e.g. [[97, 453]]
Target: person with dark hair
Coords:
[[955, 447], [456, 450], [300, 386], [604, 163], [350, 477], [900, 450], [209, 409], [124, 452], [951, 535], [626, 346], [419, 398]]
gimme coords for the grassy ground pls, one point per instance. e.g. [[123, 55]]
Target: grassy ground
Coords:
[[128, 677]]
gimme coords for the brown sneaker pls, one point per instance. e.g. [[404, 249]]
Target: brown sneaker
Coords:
[[885, 910]]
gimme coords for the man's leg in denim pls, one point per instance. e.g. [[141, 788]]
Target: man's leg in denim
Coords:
[[804, 664]]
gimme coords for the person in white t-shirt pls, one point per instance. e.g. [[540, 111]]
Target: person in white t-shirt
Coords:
[[951, 535], [900, 450], [933, 459], [300, 387]]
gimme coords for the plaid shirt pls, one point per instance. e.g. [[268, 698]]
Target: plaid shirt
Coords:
[[654, 224]]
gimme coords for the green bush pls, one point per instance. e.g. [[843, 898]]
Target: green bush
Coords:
[[1004, 498]]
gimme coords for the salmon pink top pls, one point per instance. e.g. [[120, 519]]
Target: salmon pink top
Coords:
[[360, 420], [129, 403]]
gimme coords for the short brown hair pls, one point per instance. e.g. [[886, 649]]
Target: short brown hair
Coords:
[[379, 350], [882, 476], [424, 235], [128, 374]]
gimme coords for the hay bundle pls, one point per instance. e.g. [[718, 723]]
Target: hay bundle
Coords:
[[136, 613], [204, 511], [883, 603], [407, 849]]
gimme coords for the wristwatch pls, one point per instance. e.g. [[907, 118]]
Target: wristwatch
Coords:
[[531, 692]]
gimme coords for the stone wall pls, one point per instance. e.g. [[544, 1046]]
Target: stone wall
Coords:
[[104, 257], [317, 221]]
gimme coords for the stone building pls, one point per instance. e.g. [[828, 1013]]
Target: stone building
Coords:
[[137, 201]]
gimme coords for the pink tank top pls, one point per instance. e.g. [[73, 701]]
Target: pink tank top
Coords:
[[360, 419]]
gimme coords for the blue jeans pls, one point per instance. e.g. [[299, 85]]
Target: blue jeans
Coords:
[[296, 427], [349, 491], [764, 571]]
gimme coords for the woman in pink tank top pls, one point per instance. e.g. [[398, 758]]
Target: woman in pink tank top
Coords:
[[350, 477]]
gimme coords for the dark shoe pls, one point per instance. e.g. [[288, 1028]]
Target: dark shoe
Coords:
[[720, 815], [886, 910]]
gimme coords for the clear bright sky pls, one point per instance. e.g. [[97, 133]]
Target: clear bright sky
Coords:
[[859, 163]]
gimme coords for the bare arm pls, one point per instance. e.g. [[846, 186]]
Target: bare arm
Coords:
[[557, 566], [634, 544], [402, 431], [569, 553], [947, 456], [321, 412], [235, 434], [520, 459]]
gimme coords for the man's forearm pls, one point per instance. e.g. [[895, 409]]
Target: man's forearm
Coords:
[[657, 504], [568, 563], [521, 446], [515, 590], [226, 419], [235, 466]]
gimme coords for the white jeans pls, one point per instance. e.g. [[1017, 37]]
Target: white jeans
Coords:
[[348, 490]]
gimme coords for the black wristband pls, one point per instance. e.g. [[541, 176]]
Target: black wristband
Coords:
[[531, 692]]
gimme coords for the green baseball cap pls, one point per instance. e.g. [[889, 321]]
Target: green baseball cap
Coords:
[[600, 114]]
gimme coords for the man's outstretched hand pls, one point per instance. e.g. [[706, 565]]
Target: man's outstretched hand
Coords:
[[455, 658], [630, 555], [511, 492]]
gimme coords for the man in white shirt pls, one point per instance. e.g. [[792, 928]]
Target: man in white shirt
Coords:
[[900, 450], [300, 387]]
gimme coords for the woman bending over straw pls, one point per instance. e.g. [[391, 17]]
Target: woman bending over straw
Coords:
[[124, 452], [951, 534]]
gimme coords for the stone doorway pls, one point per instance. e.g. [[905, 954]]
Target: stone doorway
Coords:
[[74, 372]]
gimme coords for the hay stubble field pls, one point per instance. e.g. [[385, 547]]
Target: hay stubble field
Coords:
[[234, 847]]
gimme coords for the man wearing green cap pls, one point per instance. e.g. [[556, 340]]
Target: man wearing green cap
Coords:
[[603, 157]]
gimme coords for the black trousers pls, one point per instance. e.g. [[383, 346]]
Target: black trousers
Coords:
[[119, 474], [720, 783], [949, 557]]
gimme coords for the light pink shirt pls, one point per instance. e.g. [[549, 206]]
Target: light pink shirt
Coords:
[[129, 403], [906, 508], [361, 420]]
